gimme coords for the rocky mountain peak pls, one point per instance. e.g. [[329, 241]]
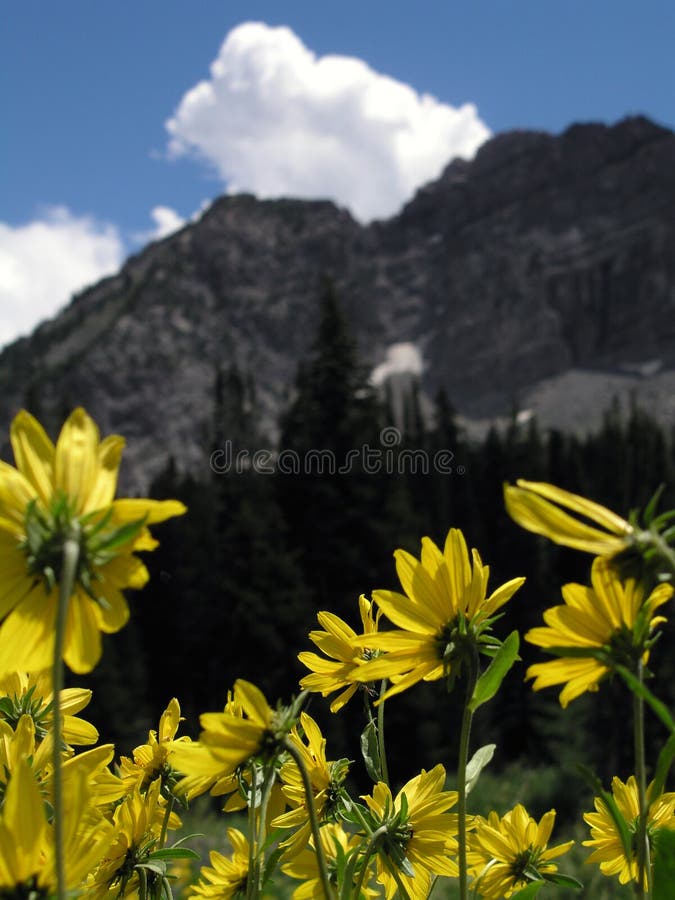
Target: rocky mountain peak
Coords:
[[544, 259]]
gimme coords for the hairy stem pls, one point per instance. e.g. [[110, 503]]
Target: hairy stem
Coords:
[[380, 736], [643, 860], [465, 734], [295, 754], [71, 553]]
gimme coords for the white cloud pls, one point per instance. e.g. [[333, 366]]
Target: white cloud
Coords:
[[276, 120], [45, 261]]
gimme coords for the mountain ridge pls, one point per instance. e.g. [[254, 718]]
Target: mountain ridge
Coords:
[[543, 256]]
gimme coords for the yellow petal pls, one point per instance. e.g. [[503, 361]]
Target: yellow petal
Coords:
[[169, 721], [27, 634], [115, 615], [537, 514], [72, 700], [102, 492], [34, 454], [253, 702], [82, 642], [16, 492], [151, 511], [421, 588], [593, 511], [407, 615], [76, 458], [78, 731], [23, 815]]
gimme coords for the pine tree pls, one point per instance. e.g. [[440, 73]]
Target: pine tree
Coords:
[[330, 433]]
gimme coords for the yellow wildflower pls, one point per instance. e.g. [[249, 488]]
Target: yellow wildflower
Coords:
[[609, 851], [502, 851], [540, 507], [611, 621], [55, 493], [325, 777], [338, 641], [420, 833], [444, 613]]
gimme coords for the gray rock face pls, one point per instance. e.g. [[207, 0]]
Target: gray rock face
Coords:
[[543, 256]]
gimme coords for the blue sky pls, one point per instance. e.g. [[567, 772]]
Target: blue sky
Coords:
[[116, 129]]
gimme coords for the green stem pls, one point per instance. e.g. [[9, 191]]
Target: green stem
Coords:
[[165, 821], [295, 754], [664, 550], [369, 851], [251, 881], [380, 736], [71, 553], [643, 861], [465, 734], [394, 872], [268, 783]]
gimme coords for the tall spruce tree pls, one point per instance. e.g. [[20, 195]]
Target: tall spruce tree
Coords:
[[330, 489]]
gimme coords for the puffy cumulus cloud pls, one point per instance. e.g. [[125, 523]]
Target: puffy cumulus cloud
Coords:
[[276, 120], [45, 261]]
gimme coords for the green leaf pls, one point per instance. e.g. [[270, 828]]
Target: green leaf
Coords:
[[477, 763], [489, 682], [664, 864], [158, 869], [370, 750], [528, 892], [612, 808], [650, 508], [120, 536], [563, 880], [174, 853], [641, 690], [663, 765], [271, 864]]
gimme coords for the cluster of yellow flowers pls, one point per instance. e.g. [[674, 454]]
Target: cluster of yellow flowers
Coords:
[[80, 823]]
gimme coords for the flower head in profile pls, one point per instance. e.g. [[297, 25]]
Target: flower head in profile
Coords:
[[596, 628], [138, 822], [609, 850], [542, 508], [248, 730], [31, 694], [417, 832], [325, 777], [227, 875], [444, 615], [507, 853], [342, 655], [154, 759], [66, 493], [337, 844]]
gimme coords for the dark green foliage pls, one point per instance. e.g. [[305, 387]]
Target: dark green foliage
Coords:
[[237, 582], [345, 512]]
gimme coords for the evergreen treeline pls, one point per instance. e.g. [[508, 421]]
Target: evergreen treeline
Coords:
[[270, 540]]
